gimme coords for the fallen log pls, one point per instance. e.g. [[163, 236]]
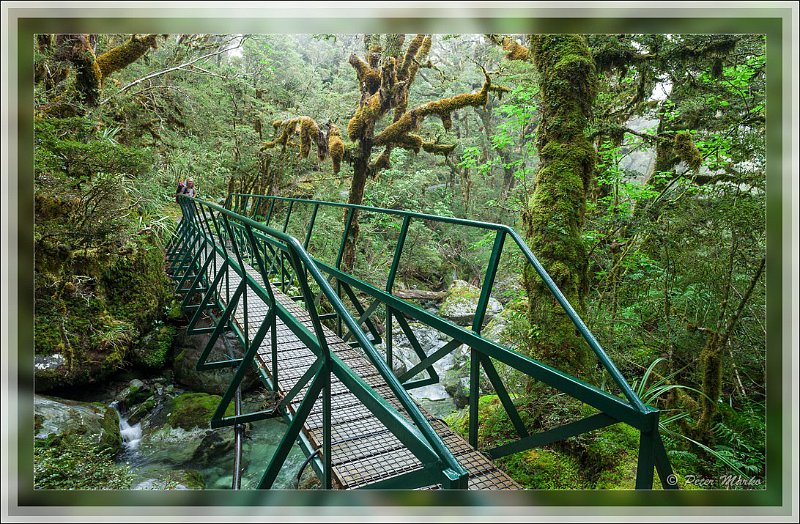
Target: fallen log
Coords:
[[419, 294]]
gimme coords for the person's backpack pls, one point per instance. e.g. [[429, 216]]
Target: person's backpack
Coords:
[[180, 190]]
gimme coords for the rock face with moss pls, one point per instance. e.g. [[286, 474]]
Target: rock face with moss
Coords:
[[96, 311], [59, 418], [554, 215]]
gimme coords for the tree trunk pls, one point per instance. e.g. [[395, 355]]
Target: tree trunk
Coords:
[[554, 216], [711, 358], [360, 175]]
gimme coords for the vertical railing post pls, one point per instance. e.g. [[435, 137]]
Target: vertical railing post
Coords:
[[477, 324], [288, 215], [269, 213], [311, 225], [647, 448], [272, 313], [347, 223], [398, 251]]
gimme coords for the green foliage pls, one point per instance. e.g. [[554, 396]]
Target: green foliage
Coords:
[[76, 463], [155, 346], [544, 469]]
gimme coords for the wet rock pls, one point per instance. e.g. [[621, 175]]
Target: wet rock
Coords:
[[48, 362], [55, 417], [138, 412], [461, 304], [194, 410], [135, 393], [214, 444]]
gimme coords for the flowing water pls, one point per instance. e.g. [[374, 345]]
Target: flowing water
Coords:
[[163, 463], [161, 457]]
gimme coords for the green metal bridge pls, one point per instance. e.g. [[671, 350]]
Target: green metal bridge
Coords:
[[249, 266]]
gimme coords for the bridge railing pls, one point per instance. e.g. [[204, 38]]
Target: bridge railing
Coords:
[[209, 256], [612, 409]]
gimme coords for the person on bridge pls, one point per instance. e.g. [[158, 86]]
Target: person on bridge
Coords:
[[186, 188]]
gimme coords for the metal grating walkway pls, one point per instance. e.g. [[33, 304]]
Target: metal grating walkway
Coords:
[[363, 450]]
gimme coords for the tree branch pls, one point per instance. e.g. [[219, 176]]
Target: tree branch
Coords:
[[170, 69]]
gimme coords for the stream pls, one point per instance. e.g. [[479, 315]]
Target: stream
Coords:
[[162, 455]]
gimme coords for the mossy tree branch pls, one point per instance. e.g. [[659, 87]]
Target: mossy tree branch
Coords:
[[91, 70]]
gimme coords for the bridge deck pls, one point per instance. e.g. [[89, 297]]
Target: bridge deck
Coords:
[[363, 451]]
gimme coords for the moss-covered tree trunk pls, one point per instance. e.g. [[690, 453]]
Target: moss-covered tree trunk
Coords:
[[554, 216], [356, 196]]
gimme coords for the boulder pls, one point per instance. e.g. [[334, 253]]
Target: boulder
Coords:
[[461, 303], [214, 381], [193, 410], [133, 394], [178, 431], [55, 417]]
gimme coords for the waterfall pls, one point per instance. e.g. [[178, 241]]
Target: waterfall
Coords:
[[131, 435]]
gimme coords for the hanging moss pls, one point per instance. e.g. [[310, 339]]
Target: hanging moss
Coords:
[[307, 130], [554, 216], [438, 149], [514, 50], [381, 163], [686, 150], [367, 76], [335, 147]]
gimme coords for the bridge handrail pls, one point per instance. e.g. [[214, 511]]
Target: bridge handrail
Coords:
[[241, 200], [193, 208]]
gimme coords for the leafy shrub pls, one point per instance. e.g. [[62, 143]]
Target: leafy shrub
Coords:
[[77, 463]]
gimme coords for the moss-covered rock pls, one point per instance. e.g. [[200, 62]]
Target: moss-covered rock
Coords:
[[135, 392], [461, 303], [153, 350], [194, 410], [139, 411], [57, 418], [91, 308], [77, 462]]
